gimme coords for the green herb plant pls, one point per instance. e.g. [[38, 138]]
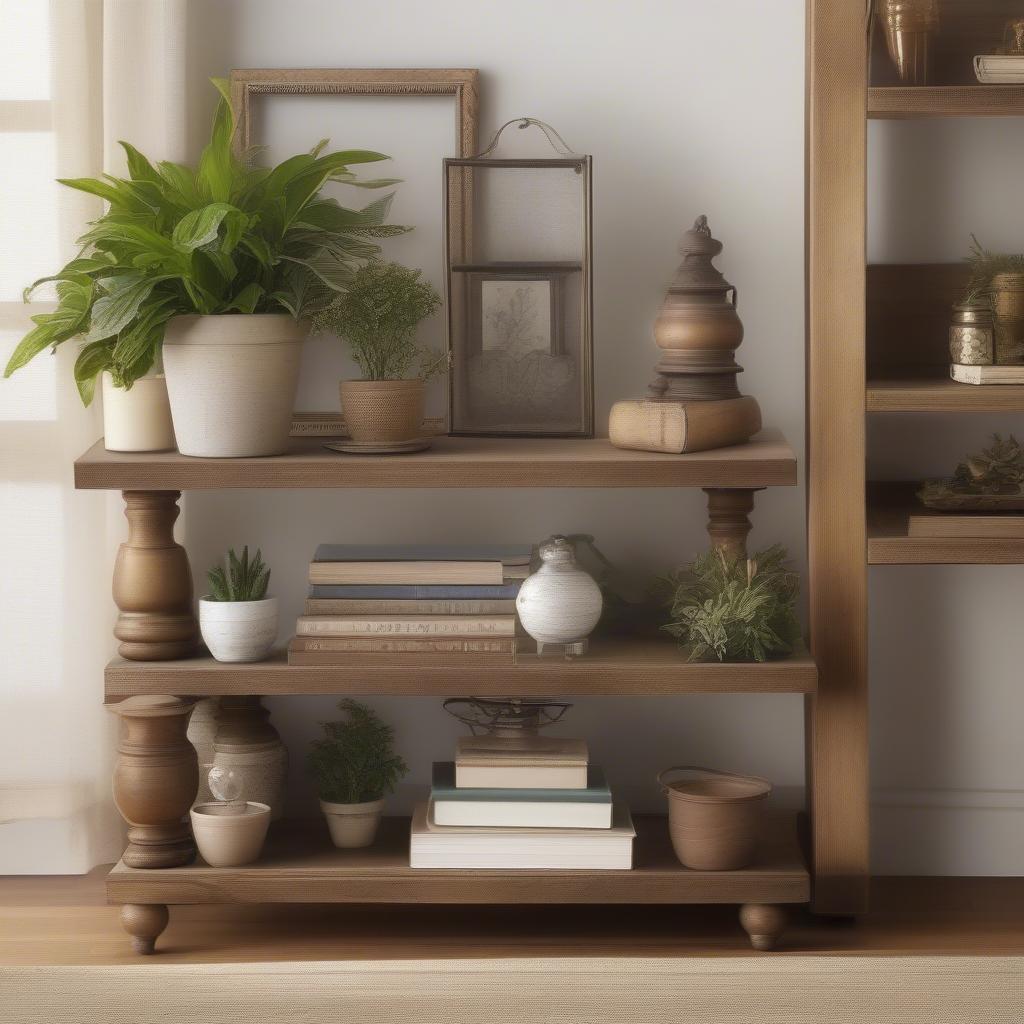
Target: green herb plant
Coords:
[[732, 608], [378, 315], [355, 762], [998, 469], [225, 237], [239, 579]]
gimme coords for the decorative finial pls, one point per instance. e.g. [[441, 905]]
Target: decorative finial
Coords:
[[701, 225]]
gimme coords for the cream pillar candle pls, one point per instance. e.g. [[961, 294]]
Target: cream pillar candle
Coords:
[[139, 419]]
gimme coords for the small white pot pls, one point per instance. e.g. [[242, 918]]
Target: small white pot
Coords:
[[238, 630], [137, 419], [353, 825], [232, 380], [227, 838]]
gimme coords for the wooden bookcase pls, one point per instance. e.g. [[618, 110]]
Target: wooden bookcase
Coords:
[[876, 343], [299, 865]]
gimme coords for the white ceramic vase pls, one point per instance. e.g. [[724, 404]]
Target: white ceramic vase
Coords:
[[229, 836], [231, 381], [560, 603], [137, 419], [353, 825], [238, 630], [202, 727], [247, 744]]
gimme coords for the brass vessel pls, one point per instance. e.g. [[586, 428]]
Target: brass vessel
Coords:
[[910, 30], [971, 336], [1007, 291]]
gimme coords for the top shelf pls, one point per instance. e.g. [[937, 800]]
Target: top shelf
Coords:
[[766, 461], [903, 102]]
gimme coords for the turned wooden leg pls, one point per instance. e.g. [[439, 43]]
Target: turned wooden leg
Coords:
[[153, 583], [155, 780], [728, 522], [764, 923], [144, 922]]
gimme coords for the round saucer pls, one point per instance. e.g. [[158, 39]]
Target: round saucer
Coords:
[[348, 447]]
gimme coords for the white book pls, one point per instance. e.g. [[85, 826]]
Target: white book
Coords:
[[999, 68], [406, 625], [986, 374], [606, 849]]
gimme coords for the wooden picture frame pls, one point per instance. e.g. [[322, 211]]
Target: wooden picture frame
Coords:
[[462, 84]]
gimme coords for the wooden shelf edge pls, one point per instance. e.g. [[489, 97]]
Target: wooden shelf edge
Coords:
[[300, 866], [650, 668], [906, 102]]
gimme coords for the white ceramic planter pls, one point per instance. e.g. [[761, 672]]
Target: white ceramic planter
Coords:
[[238, 630], [231, 381], [353, 825], [227, 838], [139, 419]]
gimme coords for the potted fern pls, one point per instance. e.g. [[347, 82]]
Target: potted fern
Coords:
[[355, 767], [728, 607], [378, 316], [237, 619], [219, 267]]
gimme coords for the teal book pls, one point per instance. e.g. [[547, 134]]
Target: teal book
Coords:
[[519, 808]]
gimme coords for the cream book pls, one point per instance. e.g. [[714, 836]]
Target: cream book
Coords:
[[369, 606], [528, 762], [679, 427], [406, 625], [406, 573], [987, 374], [502, 849]]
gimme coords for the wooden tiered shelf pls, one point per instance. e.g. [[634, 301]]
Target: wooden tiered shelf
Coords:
[[904, 102], [767, 461], [299, 865], [612, 667], [924, 393], [890, 504]]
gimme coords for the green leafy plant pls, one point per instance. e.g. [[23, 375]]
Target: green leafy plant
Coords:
[[985, 265], [736, 609], [225, 237], [354, 761], [378, 315], [239, 579], [998, 469]]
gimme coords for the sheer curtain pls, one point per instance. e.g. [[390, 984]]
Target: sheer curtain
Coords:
[[75, 76]]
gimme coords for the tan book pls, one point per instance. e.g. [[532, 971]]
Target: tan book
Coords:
[[368, 607], [520, 762], [987, 374], [406, 660], [407, 625], [406, 573], [355, 645], [678, 427], [1005, 526]]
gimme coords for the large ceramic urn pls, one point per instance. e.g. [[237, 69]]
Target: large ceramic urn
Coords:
[[247, 744], [698, 329]]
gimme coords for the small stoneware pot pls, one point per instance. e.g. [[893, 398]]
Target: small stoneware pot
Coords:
[[228, 835], [383, 410], [137, 419], [353, 825], [714, 816], [238, 630]]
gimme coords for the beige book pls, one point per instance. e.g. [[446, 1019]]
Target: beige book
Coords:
[[388, 645], [368, 607], [516, 776], [986, 374], [992, 527], [407, 625], [678, 427], [406, 660], [406, 573], [520, 750]]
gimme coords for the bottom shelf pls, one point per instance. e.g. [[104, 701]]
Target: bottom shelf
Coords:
[[299, 865]]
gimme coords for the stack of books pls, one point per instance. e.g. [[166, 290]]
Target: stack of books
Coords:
[[1005, 374], [419, 604], [521, 802]]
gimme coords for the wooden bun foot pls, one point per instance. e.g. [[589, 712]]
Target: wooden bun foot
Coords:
[[764, 923], [144, 922]]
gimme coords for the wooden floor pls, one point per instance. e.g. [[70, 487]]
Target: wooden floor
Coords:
[[64, 921]]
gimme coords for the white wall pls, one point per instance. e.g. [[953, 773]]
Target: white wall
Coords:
[[687, 108]]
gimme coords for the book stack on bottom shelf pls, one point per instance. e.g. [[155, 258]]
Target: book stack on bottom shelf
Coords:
[[415, 605], [521, 802]]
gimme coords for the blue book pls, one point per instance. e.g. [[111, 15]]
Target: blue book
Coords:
[[519, 808], [508, 554], [417, 592]]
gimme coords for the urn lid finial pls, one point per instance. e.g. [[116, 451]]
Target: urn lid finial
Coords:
[[557, 550], [696, 273]]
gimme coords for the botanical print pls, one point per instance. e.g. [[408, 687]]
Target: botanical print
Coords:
[[516, 316]]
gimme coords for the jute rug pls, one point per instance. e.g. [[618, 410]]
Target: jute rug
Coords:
[[776, 989]]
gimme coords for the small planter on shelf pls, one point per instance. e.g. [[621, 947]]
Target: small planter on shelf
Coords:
[[137, 419], [355, 767], [237, 620], [229, 831]]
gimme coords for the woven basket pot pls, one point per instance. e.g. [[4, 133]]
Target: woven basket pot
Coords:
[[383, 410], [231, 380]]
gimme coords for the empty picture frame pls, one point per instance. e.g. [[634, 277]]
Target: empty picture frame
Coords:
[[418, 116]]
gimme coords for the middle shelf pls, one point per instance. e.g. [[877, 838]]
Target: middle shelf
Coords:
[[614, 666]]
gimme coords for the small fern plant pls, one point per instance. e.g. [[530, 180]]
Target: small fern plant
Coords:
[[732, 608], [239, 579], [355, 761]]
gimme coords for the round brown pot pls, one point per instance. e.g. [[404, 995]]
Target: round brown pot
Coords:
[[383, 410]]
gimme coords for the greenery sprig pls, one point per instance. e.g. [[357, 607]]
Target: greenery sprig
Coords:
[[354, 761], [998, 469], [733, 608], [239, 579], [985, 265], [225, 237], [378, 315]]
